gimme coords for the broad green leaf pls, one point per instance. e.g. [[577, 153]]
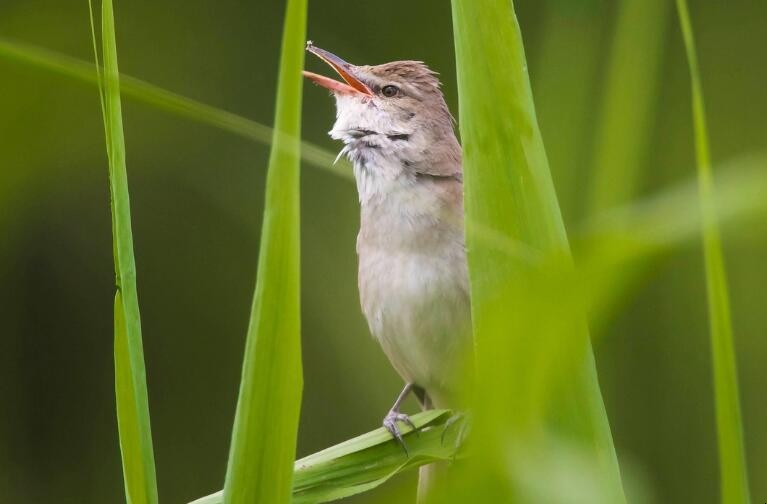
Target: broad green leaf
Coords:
[[732, 458], [522, 332], [130, 377], [260, 468], [366, 462]]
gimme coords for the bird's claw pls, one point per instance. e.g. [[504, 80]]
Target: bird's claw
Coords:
[[390, 424]]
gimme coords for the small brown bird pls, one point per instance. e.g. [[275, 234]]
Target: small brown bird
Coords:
[[413, 280]]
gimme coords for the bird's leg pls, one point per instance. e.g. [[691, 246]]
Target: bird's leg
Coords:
[[423, 398], [394, 416]]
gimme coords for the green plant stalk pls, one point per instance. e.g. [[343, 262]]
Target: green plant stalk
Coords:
[[162, 99], [566, 75], [260, 467], [625, 120], [130, 377], [626, 110], [629, 102], [508, 190], [732, 458]]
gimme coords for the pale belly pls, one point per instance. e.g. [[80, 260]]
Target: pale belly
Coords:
[[417, 307]]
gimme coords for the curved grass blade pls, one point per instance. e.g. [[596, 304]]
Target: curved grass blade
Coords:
[[367, 461], [732, 458], [508, 190], [130, 377], [168, 101], [609, 244], [260, 468]]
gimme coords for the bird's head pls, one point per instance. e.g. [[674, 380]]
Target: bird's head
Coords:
[[396, 108]]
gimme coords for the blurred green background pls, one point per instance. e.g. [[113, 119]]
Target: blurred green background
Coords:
[[197, 195]]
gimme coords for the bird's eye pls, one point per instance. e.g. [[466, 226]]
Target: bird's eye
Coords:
[[389, 91]]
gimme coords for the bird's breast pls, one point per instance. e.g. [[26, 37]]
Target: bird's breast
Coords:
[[417, 306]]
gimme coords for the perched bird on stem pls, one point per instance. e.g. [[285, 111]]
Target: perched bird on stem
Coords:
[[413, 280]]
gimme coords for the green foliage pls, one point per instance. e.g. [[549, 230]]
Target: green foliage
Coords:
[[565, 76], [366, 462], [630, 89], [541, 434], [266, 423], [605, 246], [509, 193], [732, 458], [615, 248], [130, 379]]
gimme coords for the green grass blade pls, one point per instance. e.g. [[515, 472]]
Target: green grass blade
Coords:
[[132, 417], [508, 190], [629, 101], [260, 468], [130, 377], [167, 101], [732, 458], [367, 461], [565, 76], [99, 78]]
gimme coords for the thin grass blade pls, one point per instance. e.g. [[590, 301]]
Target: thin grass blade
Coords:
[[630, 237], [130, 377], [133, 421], [566, 75], [629, 102], [260, 468], [167, 101], [732, 458]]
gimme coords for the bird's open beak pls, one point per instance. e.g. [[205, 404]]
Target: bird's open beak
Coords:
[[344, 69]]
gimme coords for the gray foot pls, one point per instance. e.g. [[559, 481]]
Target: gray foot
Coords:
[[390, 423]]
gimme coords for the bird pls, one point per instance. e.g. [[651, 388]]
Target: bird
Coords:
[[413, 277]]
